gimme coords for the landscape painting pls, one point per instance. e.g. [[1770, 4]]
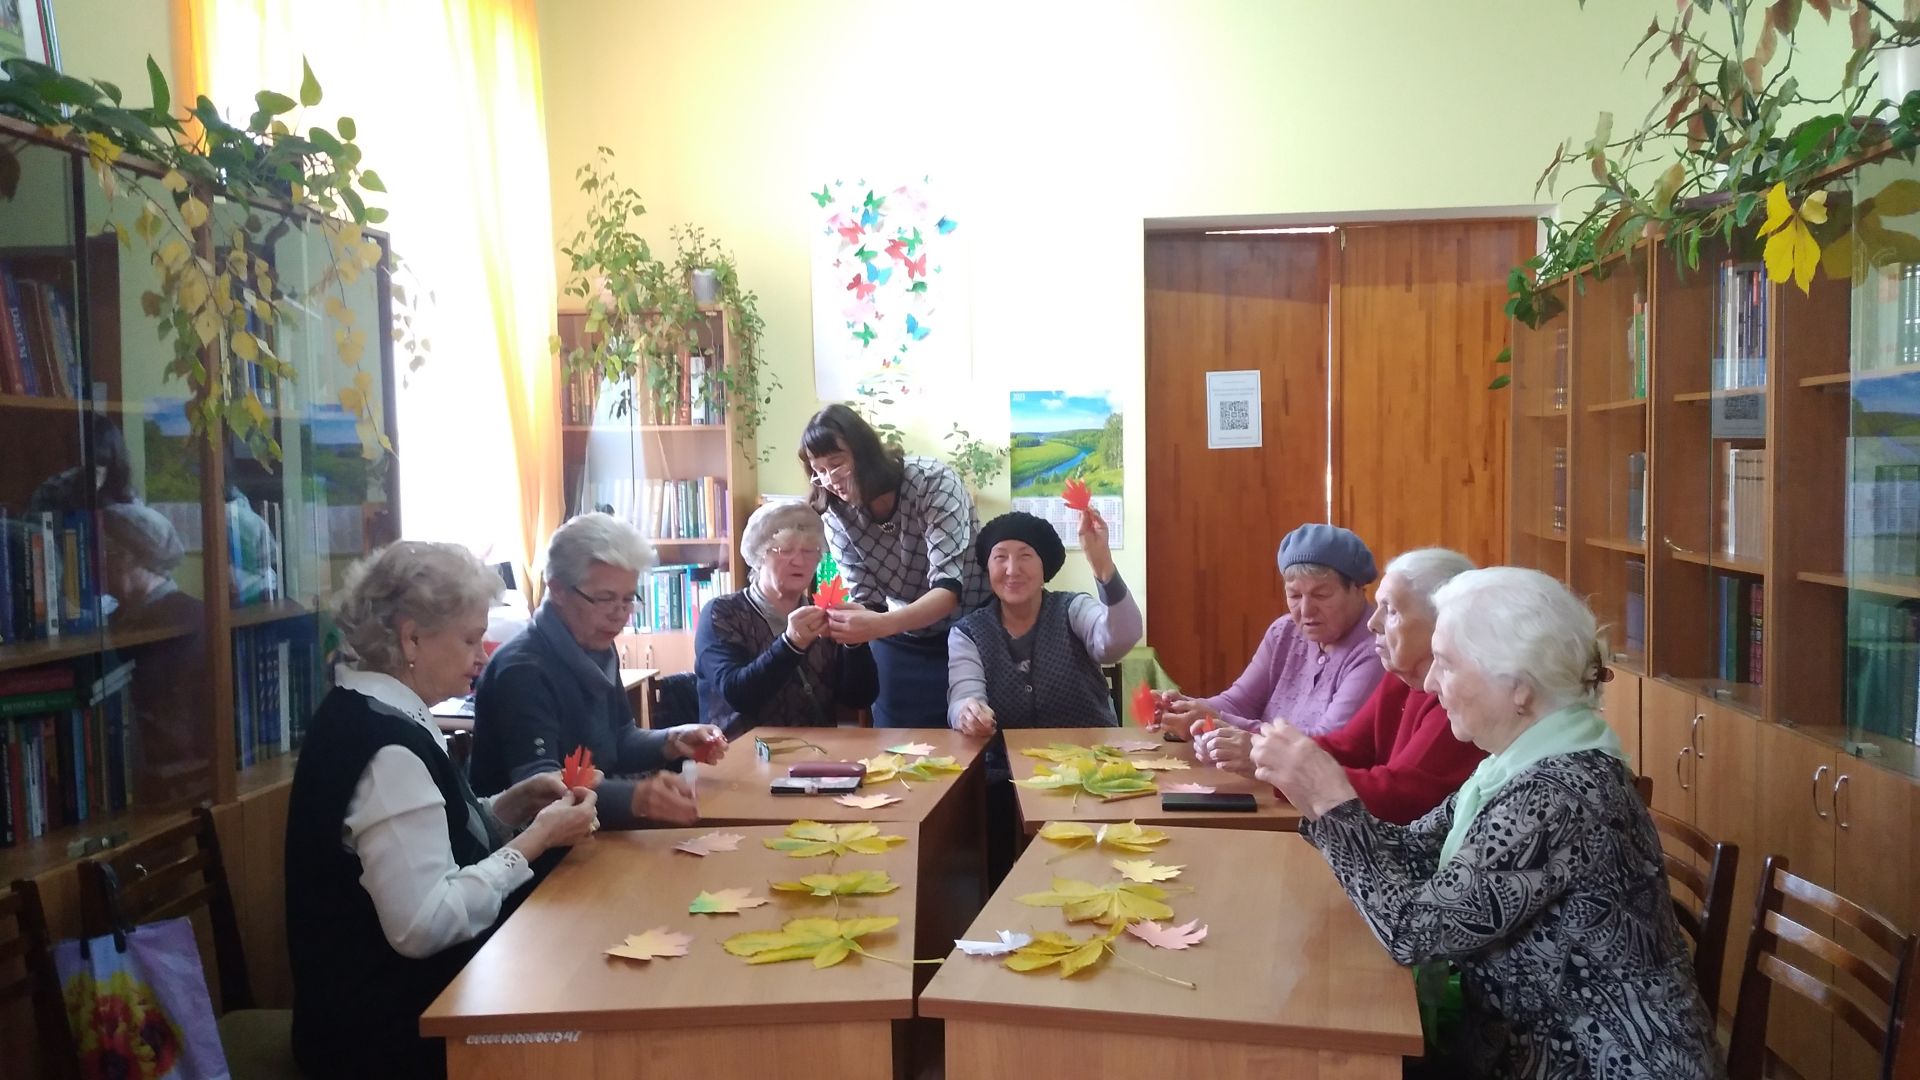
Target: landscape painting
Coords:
[[1057, 436]]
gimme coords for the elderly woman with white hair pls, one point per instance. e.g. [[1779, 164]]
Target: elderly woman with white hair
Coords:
[[396, 873], [1316, 663], [763, 654], [1542, 878], [1398, 750], [555, 689]]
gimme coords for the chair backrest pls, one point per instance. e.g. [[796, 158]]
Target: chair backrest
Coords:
[[676, 699], [1112, 672], [1883, 977], [1708, 915], [26, 946], [460, 748], [170, 874], [1903, 1050]]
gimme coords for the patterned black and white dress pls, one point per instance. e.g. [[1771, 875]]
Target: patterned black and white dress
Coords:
[[1557, 913]]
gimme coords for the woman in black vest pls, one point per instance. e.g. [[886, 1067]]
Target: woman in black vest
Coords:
[[1031, 658], [395, 871]]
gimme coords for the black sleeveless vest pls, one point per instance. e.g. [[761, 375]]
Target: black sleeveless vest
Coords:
[[1063, 688]]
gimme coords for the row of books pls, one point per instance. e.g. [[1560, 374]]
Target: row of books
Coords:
[[692, 509], [39, 340], [1883, 667], [1883, 507], [1637, 347], [1636, 523], [1743, 504], [1741, 359], [1557, 398], [1887, 316], [49, 567], [1739, 629], [256, 551], [66, 754], [671, 596], [244, 378], [1633, 621], [277, 682], [578, 397], [1557, 509]]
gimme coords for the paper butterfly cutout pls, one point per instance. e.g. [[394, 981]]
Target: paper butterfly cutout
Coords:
[[850, 233], [1076, 495], [877, 275], [916, 267], [860, 287], [821, 197], [917, 329], [946, 225]]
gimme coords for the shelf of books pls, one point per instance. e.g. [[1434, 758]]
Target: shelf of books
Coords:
[[678, 468], [160, 599], [1541, 427]]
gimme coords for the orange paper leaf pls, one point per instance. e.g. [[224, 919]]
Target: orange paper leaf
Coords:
[[1076, 495], [1143, 705], [831, 593], [578, 769], [1168, 937]]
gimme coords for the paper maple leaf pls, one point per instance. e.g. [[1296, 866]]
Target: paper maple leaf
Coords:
[[726, 902], [1137, 746], [884, 767], [1143, 706], [577, 770], [805, 839], [1109, 780], [652, 945], [1063, 752], [867, 802], [912, 749], [830, 594], [1076, 495], [1202, 726], [1168, 937], [856, 883], [1008, 942], [1115, 904], [710, 843], [1162, 764], [1190, 789], [1053, 947], [1126, 836], [1146, 871], [827, 941]]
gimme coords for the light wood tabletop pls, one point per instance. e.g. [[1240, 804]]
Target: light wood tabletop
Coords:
[[1288, 975], [1039, 807], [736, 790], [542, 994]]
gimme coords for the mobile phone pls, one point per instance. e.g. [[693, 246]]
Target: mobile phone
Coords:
[[1233, 801], [814, 785]]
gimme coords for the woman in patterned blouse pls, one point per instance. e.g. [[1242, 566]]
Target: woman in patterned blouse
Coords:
[[902, 530], [1542, 877], [763, 654]]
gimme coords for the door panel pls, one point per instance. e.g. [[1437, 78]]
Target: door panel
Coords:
[[1873, 867], [1724, 751], [1229, 304], [1796, 821], [1620, 704], [1666, 723]]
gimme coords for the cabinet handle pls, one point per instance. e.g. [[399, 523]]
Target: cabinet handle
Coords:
[[1680, 774], [1837, 815], [1693, 736], [1817, 774]]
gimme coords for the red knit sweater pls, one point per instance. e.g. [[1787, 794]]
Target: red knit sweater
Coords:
[[1400, 753]]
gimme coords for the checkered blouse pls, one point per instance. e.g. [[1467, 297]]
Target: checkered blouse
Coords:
[[927, 544]]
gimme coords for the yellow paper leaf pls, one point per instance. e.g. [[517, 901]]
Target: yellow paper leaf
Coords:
[[1146, 871], [652, 945], [1161, 764], [1116, 904], [806, 839], [856, 883], [724, 902], [881, 768], [826, 941], [1125, 836], [1068, 953]]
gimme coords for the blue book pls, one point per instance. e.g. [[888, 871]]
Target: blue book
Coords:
[[17, 317], [6, 580]]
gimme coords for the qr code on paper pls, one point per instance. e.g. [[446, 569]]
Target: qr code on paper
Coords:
[[1235, 416]]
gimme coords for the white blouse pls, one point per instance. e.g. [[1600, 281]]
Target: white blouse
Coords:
[[396, 823]]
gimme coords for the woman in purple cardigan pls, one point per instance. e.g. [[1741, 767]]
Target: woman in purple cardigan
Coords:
[[1316, 665]]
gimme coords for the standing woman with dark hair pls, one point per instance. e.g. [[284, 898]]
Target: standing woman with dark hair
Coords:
[[902, 530]]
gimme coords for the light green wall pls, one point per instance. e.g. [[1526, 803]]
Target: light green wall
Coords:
[[111, 40]]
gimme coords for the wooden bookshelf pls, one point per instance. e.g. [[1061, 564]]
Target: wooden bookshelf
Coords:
[[1614, 543], [1611, 406], [1905, 587], [52, 650], [267, 612]]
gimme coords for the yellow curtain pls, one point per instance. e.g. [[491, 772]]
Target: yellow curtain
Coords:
[[447, 101]]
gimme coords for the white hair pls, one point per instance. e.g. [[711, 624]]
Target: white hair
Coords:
[[766, 525], [1521, 624], [432, 584], [595, 538], [1424, 570]]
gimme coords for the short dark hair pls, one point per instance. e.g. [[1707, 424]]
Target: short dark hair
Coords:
[[877, 467]]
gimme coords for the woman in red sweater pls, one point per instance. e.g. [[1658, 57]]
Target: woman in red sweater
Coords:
[[1398, 750]]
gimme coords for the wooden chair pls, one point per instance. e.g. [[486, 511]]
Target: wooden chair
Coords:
[[1886, 977], [176, 873], [460, 749], [1112, 672], [29, 945], [1705, 919]]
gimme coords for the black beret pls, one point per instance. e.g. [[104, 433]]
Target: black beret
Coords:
[[1029, 530]]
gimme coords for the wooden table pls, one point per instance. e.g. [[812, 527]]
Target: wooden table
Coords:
[[541, 999], [1290, 982], [1039, 807]]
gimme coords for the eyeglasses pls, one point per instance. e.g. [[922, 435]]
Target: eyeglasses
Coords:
[[795, 552], [626, 601], [831, 476]]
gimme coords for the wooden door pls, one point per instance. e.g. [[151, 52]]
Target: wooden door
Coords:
[[1620, 704], [1419, 442], [1873, 813], [1795, 820], [1227, 303], [1666, 732], [1724, 755]]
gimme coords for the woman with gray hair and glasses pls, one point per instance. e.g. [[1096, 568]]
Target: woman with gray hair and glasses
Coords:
[[555, 689], [763, 653], [396, 873], [1542, 878]]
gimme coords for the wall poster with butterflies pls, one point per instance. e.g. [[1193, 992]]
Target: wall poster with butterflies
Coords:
[[891, 320], [1066, 454]]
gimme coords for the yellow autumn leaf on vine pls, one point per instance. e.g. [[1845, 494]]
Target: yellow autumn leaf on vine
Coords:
[[174, 181], [1126, 836], [193, 212], [827, 941], [1114, 905], [805, 839], [856, 883], [1791, 250]]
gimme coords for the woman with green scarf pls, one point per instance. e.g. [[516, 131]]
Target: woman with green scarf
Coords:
[[1541, 878]]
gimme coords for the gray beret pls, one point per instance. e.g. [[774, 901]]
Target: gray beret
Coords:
[[1329, 545], [144, 534]]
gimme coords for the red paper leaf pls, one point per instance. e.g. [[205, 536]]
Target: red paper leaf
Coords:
[[1202, 726], [577, 770], [1143, 705], [1076, 495], [831, 593]]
